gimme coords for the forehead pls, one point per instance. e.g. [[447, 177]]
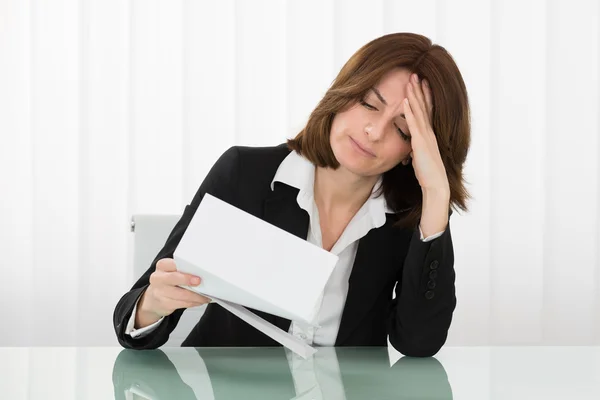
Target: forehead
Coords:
[[392, 85]]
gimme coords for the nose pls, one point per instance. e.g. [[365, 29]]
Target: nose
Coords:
[[374, 131]]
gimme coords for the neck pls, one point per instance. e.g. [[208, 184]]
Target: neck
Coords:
[[341, 190]]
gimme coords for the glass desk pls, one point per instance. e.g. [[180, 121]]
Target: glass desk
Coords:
[[274, 373]]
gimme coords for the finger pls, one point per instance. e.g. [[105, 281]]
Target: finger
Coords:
[[410, 119], [416, 135], [428, 98], [174, 278], [418, 91], [183, 295], [166, 264], [415, 104], [172, 305]]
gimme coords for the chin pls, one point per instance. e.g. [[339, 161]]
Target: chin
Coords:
[[356, 165]]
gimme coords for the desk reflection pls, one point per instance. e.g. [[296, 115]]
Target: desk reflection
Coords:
[[275, 373]]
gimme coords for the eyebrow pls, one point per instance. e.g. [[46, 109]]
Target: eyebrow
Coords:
[[380, 97]]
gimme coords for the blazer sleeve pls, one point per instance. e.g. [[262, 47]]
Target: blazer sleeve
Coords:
[[421, 313], [221, 182]]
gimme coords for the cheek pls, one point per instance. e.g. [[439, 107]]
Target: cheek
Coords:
[[336, 126], [397, 151], [343, 121]]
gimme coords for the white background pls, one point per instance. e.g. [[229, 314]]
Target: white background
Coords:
[[112, 108]]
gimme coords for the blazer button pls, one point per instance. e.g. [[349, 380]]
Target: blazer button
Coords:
[[431, 284], [433, 274], [434, 264], [429, 294]]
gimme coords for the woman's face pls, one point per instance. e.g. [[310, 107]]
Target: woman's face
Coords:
[[371, 136]]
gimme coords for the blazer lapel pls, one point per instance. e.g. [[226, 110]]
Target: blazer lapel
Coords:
[[282, 210], [376, 264]]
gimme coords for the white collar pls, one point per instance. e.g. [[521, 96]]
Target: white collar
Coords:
[[298, 172]]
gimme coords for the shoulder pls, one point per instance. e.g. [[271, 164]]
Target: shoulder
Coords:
[[270, 156], [244, 174], [258, 164], [244, 160]]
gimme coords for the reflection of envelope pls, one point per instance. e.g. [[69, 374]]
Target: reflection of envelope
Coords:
[[246, 261]]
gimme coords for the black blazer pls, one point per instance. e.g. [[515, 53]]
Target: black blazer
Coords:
[[388, 258]]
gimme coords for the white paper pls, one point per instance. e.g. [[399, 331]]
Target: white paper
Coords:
[[246, 261], [274, 332]]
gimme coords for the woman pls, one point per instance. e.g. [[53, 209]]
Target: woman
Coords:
[[372, 178]]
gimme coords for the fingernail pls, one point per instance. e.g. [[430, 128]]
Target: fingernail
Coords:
[[195, 281], [415, 78]]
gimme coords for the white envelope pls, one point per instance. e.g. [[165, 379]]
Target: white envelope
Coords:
[[246, 261]]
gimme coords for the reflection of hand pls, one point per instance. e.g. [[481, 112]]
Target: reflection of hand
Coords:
[[234, 373], [149, 372]]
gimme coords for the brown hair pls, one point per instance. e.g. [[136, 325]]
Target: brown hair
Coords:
[[450, 117]]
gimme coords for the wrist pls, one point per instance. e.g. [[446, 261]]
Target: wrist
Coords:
[[145, 315], [437, 195], [434, 215]]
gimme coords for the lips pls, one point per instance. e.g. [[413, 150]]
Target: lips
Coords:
[[362, 149]]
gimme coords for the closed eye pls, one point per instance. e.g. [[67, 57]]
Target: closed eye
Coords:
[[402, 134], [368, 106]]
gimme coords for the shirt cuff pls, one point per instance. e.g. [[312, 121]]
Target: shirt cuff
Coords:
[[429, 238], [139, 333]]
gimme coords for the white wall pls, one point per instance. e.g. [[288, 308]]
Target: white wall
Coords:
[[111, 108]]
